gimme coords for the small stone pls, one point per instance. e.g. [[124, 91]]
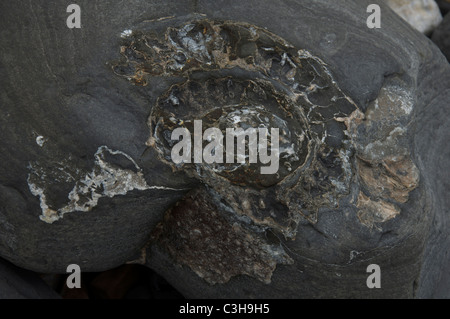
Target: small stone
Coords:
[[423, 15]]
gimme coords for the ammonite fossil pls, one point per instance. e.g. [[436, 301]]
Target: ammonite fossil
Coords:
[[241, 76], [353, 175]]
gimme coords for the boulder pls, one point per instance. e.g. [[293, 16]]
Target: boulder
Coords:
[[87, 178]]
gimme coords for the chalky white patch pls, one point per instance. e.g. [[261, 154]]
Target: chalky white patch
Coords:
[[104, 180]]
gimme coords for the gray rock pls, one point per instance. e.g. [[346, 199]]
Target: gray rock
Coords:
[[441, 36], [444, 5], [331, 251], [84, 178], [64, 133]]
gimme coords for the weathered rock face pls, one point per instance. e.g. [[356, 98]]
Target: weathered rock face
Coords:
[[88, 176], [423, 15]]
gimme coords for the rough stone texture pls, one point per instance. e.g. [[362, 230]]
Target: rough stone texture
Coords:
[[62, 101], [201, 233], [17, 283], [441, 36], [423, 15]]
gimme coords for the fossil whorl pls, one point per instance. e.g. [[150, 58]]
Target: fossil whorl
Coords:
[[236, 75], [239, 75]]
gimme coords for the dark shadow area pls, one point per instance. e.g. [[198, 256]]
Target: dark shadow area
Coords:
[[124, 282]]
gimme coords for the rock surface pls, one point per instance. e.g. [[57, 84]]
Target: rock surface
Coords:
[[83, 181], [444, 5], [441, 36], [423, 15]]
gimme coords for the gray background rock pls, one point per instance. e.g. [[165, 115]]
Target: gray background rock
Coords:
[[441, 36]]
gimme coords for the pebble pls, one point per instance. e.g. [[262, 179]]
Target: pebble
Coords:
[[423, 15]]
